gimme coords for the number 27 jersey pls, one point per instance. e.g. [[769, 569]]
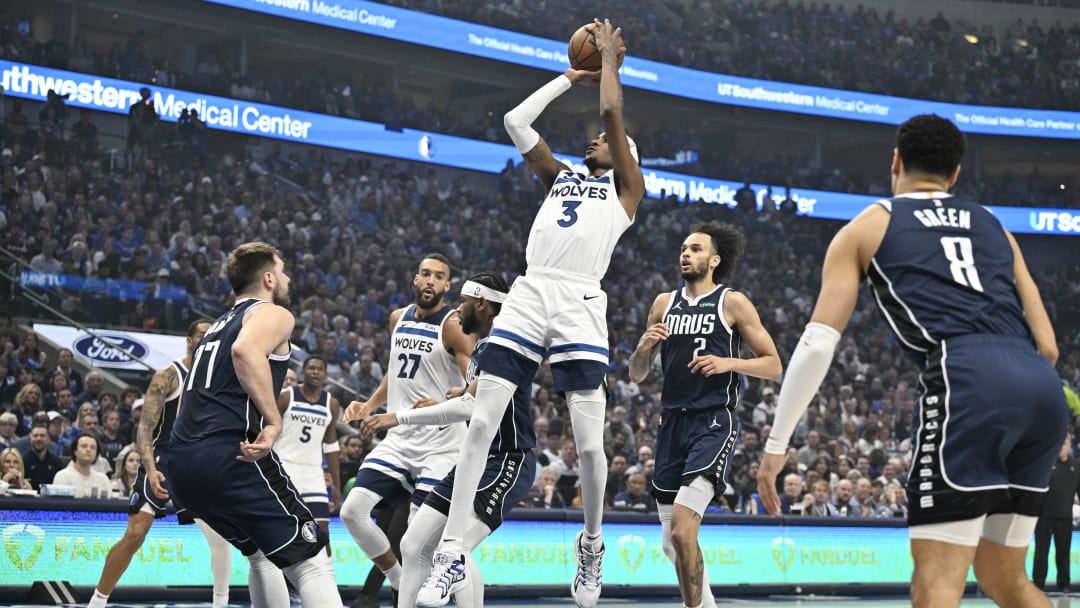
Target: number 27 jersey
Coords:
[[944, 269]]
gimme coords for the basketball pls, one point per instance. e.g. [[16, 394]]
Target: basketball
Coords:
[[583, 53]]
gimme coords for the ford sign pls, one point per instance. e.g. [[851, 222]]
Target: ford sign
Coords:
[[100, 353]]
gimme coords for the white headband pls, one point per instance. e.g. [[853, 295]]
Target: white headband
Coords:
[[633, 147], [476, 290]]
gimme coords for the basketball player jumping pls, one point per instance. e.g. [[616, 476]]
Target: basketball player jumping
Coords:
[[557, 309], [699, 330], [953, 286], [507, 476], [429, 355]]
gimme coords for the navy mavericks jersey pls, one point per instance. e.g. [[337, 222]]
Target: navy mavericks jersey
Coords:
[[517, 429], [697, 326], [215, 404], [944, 269], [162, 436]]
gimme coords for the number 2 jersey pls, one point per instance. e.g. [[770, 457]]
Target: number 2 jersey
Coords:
[[215, 404], [944, 269], [696, 326]]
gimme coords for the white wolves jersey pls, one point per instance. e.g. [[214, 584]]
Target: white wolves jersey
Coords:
[[578, 225], [303, 426], [421, 367], [697, 327]]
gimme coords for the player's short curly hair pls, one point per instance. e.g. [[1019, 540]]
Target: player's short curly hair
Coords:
[[727, 242], [930, 144]]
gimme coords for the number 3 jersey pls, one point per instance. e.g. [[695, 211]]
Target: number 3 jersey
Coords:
[[578, 225], [944, 269], [420, 367]]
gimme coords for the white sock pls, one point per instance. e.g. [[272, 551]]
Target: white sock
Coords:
[[98, 600], [265, 583], [315, 581], [587, 415], [394, 575], [472, 596], [493, 394]]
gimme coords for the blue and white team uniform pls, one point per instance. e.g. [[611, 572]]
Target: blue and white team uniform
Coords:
[[253, 505], [412, 459], [698, 427], [142, 495], [300, 447], [992, 416], [557, 309], [511, 464]]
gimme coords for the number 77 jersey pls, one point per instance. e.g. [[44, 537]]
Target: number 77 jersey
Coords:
[[944, 269], [214, 402]]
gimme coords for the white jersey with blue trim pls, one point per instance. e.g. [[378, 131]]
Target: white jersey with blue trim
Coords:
[[420, 367], [578, 225], [303, 426]]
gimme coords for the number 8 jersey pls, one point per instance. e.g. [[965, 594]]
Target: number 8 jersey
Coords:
[[944, 269], [578, 225]]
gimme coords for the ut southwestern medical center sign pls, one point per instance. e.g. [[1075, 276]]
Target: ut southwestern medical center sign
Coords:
[[533, 51], [112, 95]]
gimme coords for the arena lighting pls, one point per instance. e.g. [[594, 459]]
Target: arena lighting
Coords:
[[433, 31], [972, 38], [249, 118]]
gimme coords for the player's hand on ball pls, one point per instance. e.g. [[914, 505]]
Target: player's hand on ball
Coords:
[[378, 422], [766, 481], [585, 77], [709, 365], [608, 40]]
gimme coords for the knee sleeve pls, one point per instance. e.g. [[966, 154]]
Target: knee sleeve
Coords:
[[356, 515], [266, 585], [697, 495], [664, 512], [315, 581]]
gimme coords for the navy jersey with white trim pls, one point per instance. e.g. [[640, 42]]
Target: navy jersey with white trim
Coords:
[[696, 326], [214, 401], [162, 436], [517, 429], [944, 269]]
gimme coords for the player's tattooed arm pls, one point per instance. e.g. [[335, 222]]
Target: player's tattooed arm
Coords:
[[543, 163], [164, 382]]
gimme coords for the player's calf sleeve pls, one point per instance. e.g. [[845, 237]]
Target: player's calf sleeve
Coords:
[[417, 548], [220, 562], [587, 415], [493, 394], [315, 581], [472, 596], [664, 513], [356, 515], [265, 583]]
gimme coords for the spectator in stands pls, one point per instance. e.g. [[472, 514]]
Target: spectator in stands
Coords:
[[92, 389], [544, 493], [87, 482], [27, 401], [819, 502], [843, 499], [894, 502], [8, 422], [566, 469], [12, 469], [636, 497], [808, 453], [109, 437], [55, 382], [792, 500], [616, 479], [352, 454], [126, 468], [41, 464], [766, 408], [28, 355]]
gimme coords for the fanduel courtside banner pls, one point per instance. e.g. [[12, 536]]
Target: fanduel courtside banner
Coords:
[[71, 546], [111, 95], [523, 49]]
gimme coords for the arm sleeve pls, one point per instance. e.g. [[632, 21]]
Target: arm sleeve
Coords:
[[518, 122], [457, 409], [807, 368]]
